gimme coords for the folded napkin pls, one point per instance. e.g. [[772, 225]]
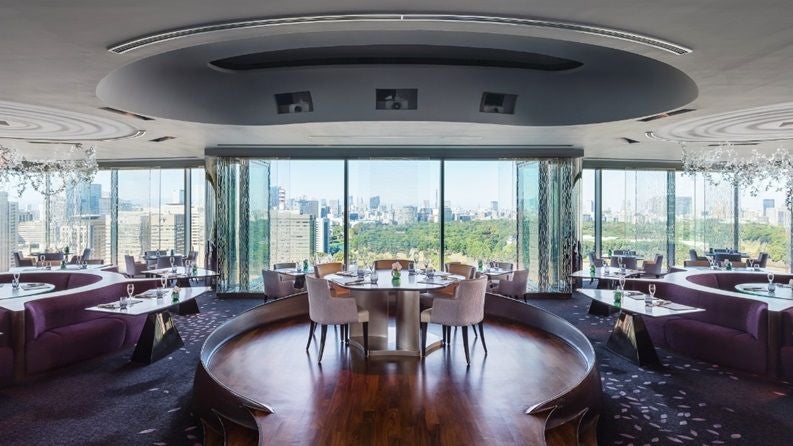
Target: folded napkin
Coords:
[[350, 281], [437, 282], [115, 305], [346, 274], [674, 306], [33, 286], [635, 295]]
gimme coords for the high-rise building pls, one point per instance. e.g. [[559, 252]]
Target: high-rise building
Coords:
[[374, 202], [8, 231], [322, 239], [87, 231], [683, 205], [406, 215], [309, 207], [494, 206], [84, 199], [292, 236], [768, 203]]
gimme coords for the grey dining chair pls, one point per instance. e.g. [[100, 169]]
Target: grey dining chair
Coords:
[[515, 288], [466, 308], [165, 261], [654, 267], [133, 268], [324, 310], [278, 285]]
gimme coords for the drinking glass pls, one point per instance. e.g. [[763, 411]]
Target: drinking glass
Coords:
[[163, 282], [122, 302], [622, 282], [373, 277], [651, 289], [15, 281], [41, 260], [173, 262], [771, 286]]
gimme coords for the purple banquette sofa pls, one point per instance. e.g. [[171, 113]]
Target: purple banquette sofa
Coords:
[[786, 351], [58, 331], [732, 331], [6, 348]]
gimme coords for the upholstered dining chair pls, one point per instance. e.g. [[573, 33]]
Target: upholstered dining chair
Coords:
[[692, 255], [20, 260], [654, 267], [323, 310], [460, 269], [594, 260], [86, 254], [165, 261], [467, 271], [761, 260], [695, 263], [278, 285], [386, 264], [323, 269], [132, 268], [515, 288], [466, 308]]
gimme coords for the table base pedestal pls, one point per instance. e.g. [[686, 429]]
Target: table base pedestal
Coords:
[[158, 339], [631, 340]]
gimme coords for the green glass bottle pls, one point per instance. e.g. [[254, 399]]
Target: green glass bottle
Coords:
[[592, 271], [618, 298]]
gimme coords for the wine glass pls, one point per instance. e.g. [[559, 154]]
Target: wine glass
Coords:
[[622, 283], [771, 285], [648, 298], [163, 282], [15, 281], [41, 260], [173, 262], [130, 290]]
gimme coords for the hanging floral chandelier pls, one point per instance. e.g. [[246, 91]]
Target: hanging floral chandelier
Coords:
[[48, 177], [754, 172]]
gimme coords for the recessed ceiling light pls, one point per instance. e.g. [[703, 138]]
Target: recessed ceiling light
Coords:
[[162, 138], [5, 123], [667, 114], [126, 113]]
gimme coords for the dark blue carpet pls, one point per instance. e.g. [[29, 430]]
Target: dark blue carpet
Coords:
[[110, 401]]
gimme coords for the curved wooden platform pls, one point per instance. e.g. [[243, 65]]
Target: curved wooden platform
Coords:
[[537, 385]]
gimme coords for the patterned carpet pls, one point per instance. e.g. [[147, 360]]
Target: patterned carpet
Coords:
[[109, 401], [688, 402]]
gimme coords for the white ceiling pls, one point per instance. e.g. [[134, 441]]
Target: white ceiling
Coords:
[[54, 54]]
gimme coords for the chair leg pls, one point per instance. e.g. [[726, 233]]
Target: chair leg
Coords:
[[482, 335], [324, 332], [474, 327], [465, 345], [365, 339], [448, 335], [423, 339], [311, 333]]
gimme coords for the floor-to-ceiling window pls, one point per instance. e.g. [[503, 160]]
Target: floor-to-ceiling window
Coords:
[[765, 227], [634, 211], [479, 213], [395, 210], [587, 215], [198, 239]]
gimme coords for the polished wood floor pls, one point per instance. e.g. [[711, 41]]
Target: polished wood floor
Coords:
[[439, 400]]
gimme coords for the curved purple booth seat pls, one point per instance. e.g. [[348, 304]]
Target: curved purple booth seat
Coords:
[[226, 412], [737, 330], [51, 330], [6, 348]]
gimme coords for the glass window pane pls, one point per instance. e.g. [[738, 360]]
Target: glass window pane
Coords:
[[394, 210], [765, 227], [479, 212], [198, 214], [587, 214]]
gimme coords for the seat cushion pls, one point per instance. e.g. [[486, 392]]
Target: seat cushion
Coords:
[[76, 342], [426, 315], [709, 342], [6, 365], [363, 315]]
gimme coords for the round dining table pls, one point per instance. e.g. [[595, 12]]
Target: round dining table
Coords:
[[25, 289], [389, 299]]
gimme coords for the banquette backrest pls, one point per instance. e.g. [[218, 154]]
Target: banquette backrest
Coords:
[[67, 309], [746, 315]]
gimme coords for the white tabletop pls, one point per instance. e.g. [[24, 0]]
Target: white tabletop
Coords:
[[25, 289], [180, 272], [634, 303], [782, 291], [614, 273], [495, 272], [294, 272], [149, 303], [417, 282]]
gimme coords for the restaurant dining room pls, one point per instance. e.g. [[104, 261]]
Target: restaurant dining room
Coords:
[[403, 223]]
